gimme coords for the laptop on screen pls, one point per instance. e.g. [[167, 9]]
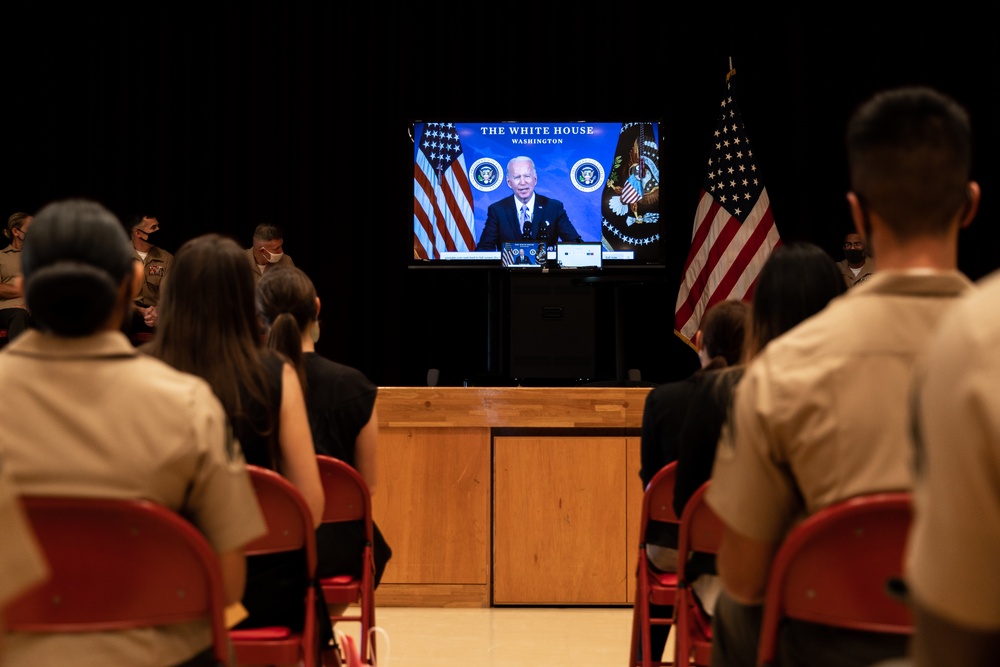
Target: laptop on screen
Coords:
[[578, 255], [523, 254]]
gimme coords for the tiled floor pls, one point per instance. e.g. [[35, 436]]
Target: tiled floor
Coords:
[[502, 637]]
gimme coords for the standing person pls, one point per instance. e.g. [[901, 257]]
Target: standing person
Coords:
[[820, 414], [208, 326], [65, 432], [267, 250], [857, 265], [14, 317], [155, 266], [951, 559], [525, 215], [719, 342], [797, 281], [341, 405]]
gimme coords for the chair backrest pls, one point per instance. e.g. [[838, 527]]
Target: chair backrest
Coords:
[[833, 569], [119, 564], [288, 518], [701, 531], [658, 499], [289, 528], [347, 494], [349, 499]]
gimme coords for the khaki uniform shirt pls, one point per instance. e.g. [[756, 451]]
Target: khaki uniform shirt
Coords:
[[93, 416], [10, 268], [955, 543], [867, 269], [285, 261], [22, 563], [821, 413], [155, 268]]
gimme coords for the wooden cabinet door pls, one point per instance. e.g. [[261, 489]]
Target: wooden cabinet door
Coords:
[[559, 520], [432, 504]]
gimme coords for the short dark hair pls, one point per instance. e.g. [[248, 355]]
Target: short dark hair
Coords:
[[268, 232], [909, 151]]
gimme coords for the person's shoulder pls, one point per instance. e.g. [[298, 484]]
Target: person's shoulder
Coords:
[[154, 377], [334, 370]]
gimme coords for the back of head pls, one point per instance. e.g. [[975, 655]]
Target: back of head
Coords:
[[286, 305], [74, 265], [207, 306], [910, 156], [795, 283], [723, 330]]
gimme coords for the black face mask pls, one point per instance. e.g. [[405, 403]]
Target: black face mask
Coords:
[[854, 256], [149, 235]]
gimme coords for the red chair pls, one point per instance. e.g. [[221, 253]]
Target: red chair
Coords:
[[289, 528], [116, 565], [833, 569], [701, 531], [651, 586], [348, 499]]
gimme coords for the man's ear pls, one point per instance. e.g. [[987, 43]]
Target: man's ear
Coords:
[[317, 308], [972, 193], [697, 340], [859, 215]]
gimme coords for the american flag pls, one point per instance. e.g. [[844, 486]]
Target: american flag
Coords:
[[734, 231], [442, 197]]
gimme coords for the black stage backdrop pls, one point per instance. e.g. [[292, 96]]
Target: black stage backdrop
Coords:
[[218, 119]]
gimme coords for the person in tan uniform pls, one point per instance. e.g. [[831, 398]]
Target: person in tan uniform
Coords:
[[951, 560], [820, 414], [857, 265], [267, 250], [155, 267], [14, 317], [68, 432], [22, 562]]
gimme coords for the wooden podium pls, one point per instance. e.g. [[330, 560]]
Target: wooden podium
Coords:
[[509, 495]]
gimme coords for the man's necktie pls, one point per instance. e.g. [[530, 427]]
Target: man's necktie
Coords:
[[525, 222]]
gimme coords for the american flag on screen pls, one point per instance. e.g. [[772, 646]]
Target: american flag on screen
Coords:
[[734, 231], [442, 197], [507, 258]]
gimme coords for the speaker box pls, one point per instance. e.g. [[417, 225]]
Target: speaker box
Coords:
[[552, 326]]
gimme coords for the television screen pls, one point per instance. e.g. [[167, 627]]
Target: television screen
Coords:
[[479, 185]]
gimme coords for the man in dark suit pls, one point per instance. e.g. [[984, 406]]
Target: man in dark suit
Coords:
[[525, 215], [522, 258]]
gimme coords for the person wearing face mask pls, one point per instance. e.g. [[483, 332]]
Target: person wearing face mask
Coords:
[[14, 316], [857, 265], [155, 266], [267, 251]]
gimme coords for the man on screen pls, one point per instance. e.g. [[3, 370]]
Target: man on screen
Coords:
[[525, 215]]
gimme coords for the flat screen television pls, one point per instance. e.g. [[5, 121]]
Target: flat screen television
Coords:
[[603, 177]]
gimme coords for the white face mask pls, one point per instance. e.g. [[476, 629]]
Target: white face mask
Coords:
[[274, 257]]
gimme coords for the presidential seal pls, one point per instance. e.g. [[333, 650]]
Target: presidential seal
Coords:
[[485, 174], [587, 175]]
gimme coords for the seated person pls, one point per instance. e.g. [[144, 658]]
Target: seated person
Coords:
[[14, 316], [341, 405], [267, 249], [952, 555], [66, 432]]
